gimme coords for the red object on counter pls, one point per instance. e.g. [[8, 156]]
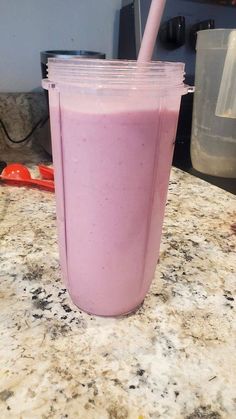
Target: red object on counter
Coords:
[[46, 172], [18, 175]]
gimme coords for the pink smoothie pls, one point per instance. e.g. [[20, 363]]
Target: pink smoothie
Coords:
[[112, 172]]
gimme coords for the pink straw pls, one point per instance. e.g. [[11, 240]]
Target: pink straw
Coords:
[[151, 30]]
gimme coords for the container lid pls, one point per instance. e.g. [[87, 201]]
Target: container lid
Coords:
[[114, 74]]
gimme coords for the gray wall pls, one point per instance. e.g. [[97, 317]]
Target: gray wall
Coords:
[[30, 26]]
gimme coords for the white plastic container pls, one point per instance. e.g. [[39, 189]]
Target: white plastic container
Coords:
[[213, 142]]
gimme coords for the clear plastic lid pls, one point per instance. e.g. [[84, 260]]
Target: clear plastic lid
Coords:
[[106, 74]]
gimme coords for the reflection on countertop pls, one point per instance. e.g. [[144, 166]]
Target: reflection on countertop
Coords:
[[173, 358], [227, 184]]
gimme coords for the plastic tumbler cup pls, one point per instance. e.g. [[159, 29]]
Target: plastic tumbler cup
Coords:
[[113, 126]]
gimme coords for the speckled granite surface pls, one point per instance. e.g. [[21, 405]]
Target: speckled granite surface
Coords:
[[174, 358]]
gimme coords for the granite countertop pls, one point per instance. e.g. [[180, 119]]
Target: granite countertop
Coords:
[[173, 358]]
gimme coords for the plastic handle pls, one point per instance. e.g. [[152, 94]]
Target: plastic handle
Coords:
[[226, 103], [46, 172], [44, 184]]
